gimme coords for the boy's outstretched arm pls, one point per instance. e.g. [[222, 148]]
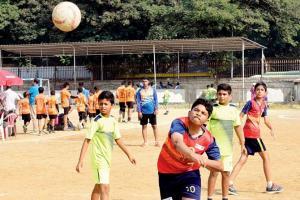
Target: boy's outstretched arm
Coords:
[[240, 135], [84, 148], [125, 150], [180, 146]]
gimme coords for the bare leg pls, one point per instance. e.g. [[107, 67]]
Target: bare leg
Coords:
[[212, 183], [129, 114], [65, 121], [144, 132], [266, 164], [104, 191], [225, 183], [154, 127], [238, 166], [96, 192]]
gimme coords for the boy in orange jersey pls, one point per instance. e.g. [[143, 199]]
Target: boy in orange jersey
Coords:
[[41, 112], [65, 96], [24, 110], [91, 105], [181, 155], [81, 106], [130, 98], [52, 110], [121, 96], [96, 95]]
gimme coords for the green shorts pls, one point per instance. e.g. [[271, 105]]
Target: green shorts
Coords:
[[227, 163], [101, 176]]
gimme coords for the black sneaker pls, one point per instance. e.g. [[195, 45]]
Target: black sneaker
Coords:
[[274, 189]]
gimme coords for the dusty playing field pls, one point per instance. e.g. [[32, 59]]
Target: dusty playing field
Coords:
[[43, 167]]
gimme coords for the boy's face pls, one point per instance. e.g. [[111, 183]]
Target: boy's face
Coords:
[[223, 97], [105, 107], [145, 82], [198, 115], [260, 92]]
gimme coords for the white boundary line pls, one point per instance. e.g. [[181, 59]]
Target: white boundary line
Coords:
[[288, 117]]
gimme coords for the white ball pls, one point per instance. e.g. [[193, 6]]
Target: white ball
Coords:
[[66, 16]]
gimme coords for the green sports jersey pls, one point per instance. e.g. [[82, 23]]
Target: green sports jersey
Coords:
[[102, 133], [221, 123]]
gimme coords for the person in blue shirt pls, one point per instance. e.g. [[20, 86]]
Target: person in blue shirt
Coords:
[[85, 92], [147, 107], [33, 92]]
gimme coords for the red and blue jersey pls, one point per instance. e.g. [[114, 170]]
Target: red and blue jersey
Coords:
[[254, 112], [170, 161]]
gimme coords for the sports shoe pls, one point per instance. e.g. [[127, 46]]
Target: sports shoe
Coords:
[[274, 189], [232, 190]]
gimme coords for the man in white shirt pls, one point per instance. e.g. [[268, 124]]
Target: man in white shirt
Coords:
[[9, 99]]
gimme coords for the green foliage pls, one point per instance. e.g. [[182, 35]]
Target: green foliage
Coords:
[[273, 23]]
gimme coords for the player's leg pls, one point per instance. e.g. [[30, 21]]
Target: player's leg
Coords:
[[144, 122], [211, 183], [266, 165], [33, 116], [225, 183], [96, 192], [66, 111], [104, 191], [153, 122]]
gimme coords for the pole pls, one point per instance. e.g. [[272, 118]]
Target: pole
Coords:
[[74, 62], [154, 65], [243, 69], [0, 59], [262, 63], [178, 66], [101, 67], [231, 71]]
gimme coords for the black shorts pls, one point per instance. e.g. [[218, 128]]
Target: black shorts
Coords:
[[129, 104], [66, 110], [82, 115], [97, 111], [41, 116], [122, 106], [26, 118], [92, 115], [254, 145], [176, 186], [148, 118], [52, 116]]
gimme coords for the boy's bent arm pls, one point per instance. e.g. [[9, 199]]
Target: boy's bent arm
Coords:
[[84, 148], [268, 124], [180, 146], [240, 135], [125, 150], [214, 165]]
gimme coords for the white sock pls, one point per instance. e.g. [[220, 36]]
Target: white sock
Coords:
[[269, 184]]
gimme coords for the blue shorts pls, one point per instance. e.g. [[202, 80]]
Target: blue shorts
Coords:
[[176, 186]]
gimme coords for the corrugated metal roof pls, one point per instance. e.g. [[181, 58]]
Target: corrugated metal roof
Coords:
[[133, 47]]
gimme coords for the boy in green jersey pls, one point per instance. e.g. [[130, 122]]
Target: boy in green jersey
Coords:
[[224, 118], [102, 134]]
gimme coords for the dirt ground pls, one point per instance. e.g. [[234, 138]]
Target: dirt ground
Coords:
[[43, 167]]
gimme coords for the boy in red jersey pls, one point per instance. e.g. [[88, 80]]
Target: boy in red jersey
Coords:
[[181, 155], [254, 109]]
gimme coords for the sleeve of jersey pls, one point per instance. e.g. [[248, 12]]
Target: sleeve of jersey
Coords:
[[138, 101], [178, 127], [93, 129], [155, 100], [247, 107], [117, 134], [237, 121], [265, 112], [213, 151]]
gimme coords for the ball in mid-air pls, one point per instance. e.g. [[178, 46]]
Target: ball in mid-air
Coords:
[[66, 16]]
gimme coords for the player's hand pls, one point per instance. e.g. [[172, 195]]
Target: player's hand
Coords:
[[132, 159], [243, 149], [79, 166], [156, 112], [140, 115], [272, 134], [199, 159]]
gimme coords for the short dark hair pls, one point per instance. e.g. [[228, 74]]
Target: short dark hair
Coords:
[[205, 103], [225, 87], [96, 88], [123, 82], [212, 85], [262, 84], [25, 94], [52, 92], [36, 81], [107, 95], [66, 84], [80, 84], [80, 89], [130, 83], [41, 90], [145, 78]]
